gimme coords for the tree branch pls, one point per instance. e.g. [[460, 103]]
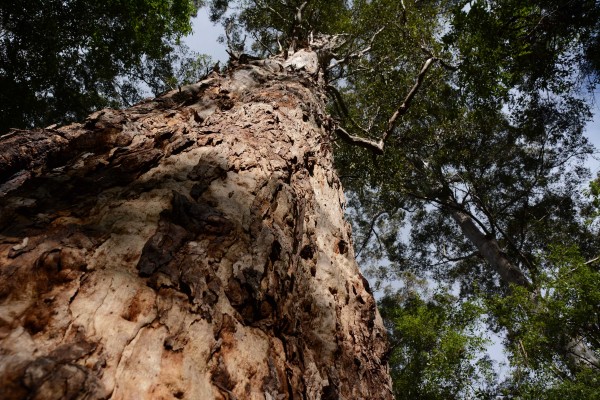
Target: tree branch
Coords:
[[296, 25], [378, 146], [371, 230], [593, 260], [358, 53], [448, 259], [408, 99]]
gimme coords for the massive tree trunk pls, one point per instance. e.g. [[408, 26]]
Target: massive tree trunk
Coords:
[[190, 247]]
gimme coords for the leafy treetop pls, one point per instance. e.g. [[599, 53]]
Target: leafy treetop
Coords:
[[61, 59]]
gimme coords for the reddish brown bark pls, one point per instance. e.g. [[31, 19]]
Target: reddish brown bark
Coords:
[[190, 247]]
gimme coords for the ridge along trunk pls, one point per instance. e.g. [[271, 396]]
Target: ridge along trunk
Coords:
[[190, 247]]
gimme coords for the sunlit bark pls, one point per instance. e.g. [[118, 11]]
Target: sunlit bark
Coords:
[[190, 247]]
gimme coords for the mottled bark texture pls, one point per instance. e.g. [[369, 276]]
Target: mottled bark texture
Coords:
[[190, 247]]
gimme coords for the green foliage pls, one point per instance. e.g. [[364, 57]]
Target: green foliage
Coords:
[[522, 43], [594, 194], [506, 153], [541, 326], [436, 347], [274, 23], [497, 133], [61, 59]]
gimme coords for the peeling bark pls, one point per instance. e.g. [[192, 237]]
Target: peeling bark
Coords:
[[190, 247]]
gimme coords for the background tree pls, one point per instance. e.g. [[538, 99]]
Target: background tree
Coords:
[[437, 347], [484, 174], [60, 60]]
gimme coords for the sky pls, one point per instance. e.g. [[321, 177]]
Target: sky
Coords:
[[204, 37], [593, 133]]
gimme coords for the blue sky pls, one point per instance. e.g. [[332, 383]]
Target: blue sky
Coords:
[[593, 133], [204, 38]]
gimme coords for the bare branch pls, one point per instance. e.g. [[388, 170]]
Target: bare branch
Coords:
[[593, 260], [296, 25], [358, 53], [371, 231], [448, 259], [299, 13], [447, 66], [440, 61], [408, 99], [233, 49], [378, 146]]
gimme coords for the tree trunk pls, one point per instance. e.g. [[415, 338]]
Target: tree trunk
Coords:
[[190, 247], [489, 249]]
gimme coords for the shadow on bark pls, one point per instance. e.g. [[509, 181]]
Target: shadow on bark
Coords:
[[216, 247]]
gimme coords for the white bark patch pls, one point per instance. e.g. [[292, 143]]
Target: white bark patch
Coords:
[[303, 60]]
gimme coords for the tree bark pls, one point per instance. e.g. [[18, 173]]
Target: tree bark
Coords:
[[190, 247]]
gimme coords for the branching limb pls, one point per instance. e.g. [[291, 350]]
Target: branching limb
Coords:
[[341, 106], [233, 49], [447, 66], [263, 4], [448, 259], [408, 99], [378, 146], [593, 260], [264, 46], [357, 54], [440, 61], [371, 231], [375, 146], [296, 25]]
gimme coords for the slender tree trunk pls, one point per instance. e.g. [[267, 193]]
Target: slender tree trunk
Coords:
[[190, 247], [490, 250], [576, 350]]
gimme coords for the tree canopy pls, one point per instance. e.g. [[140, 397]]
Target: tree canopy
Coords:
[[60, 60]]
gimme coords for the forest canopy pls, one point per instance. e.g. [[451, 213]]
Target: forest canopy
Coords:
[[60, 60]]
